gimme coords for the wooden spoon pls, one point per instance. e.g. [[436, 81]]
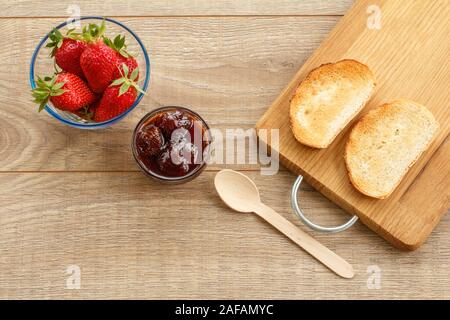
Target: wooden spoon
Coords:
[[241, 194]]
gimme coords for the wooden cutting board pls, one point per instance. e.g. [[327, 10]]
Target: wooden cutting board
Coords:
[[409, 54]]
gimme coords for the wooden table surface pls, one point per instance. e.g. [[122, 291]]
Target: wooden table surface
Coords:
[[71, 197]]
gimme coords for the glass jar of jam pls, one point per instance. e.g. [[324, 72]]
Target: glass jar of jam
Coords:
[[171, 144]]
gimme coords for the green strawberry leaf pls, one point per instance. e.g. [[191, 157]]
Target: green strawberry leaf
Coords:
[[71, 34], [52, 82], [118, 44], [56, 93], [124, 88], [40, 91], [58, 34], [46, 88], [102, 28], [127, 82], [125, 70], [134, 74], [56, 40], [93, 32], [118, 81], [139, 89], [58, 86], [108, 42], [42, 105]]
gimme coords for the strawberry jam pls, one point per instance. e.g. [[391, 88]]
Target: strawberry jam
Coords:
[[171, 144]]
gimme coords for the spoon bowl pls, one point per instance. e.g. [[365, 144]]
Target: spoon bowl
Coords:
[[237, 191]]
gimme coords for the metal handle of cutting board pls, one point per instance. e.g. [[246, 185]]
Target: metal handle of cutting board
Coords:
[[309, 223]]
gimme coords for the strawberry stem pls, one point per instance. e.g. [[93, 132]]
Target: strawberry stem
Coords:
[[118, 44], [86, 113], [92, 32]]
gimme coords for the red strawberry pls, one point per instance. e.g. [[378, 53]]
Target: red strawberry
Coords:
[[150, 140], [118, 97], [123, 57], [66, 91], [98, 61], [130, 62], [114, 104], [171, 163], [67, 50]]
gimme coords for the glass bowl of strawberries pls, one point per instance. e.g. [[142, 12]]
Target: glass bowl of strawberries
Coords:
[[89, 78]]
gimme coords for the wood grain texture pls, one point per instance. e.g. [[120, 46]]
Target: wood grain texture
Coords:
[[57, 8], [135, 241], [228, 70], [409, 57]]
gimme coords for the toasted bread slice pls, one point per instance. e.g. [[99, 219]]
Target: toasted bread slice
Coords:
[[385, 143], [328, 99]]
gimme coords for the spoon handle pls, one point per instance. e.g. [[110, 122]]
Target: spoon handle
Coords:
[[305, 241]]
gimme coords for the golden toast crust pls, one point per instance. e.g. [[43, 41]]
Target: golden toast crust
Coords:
[[385, 143], [328, 99]]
